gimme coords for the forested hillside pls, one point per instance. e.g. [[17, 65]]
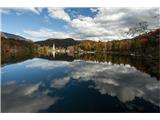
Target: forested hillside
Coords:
[[63, 43], [147, 44], [9, 45]]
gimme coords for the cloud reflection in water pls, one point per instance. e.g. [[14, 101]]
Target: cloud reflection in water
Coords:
[[25, 98], [123, 81]]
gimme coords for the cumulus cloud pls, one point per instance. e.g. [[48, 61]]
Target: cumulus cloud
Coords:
[[21, 10], [112, 23], [107, 24], [4, 11], [86, 27], [30, 9], [47, 33], [58, 13]]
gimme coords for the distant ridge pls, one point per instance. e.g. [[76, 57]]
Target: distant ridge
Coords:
[[58, 42], [8, 35]]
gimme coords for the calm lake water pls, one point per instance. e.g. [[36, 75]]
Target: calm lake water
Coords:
[[86, 83]]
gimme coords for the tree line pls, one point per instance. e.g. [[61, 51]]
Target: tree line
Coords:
[[146, 44]]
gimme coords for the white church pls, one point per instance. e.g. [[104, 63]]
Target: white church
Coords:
[[53, 47]]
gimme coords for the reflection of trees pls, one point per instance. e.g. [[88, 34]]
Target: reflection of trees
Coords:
[[9, 58], [151, 67], [61, 57]]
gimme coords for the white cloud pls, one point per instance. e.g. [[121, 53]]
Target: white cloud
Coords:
[[58, 13], [86, 27], [112, 23], [94, 10], [4, 11], [21, 10], [46, 33], [30, 9], [109, 14], [107, 24]]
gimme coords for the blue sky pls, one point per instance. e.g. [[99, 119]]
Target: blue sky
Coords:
[[79, 23]]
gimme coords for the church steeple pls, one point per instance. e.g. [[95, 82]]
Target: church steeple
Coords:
[[53, 47]]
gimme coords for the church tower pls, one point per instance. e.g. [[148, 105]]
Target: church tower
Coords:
[[53, 48]]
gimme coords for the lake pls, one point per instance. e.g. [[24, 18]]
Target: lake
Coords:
[[80, 83]]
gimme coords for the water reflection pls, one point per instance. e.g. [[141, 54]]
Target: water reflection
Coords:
[[14, 58], [47, 84], [149, 66], [25, 98], [122, 81]]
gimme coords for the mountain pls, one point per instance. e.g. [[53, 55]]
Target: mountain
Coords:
[[12, 36], [58, 42], [14, 44]]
